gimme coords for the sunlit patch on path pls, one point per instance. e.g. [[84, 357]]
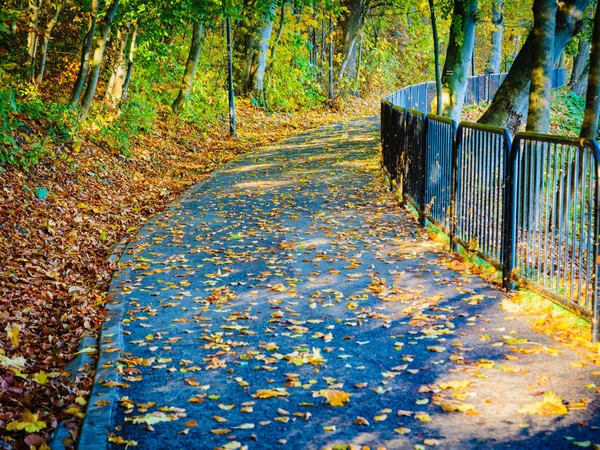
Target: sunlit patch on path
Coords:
[[289, 302]]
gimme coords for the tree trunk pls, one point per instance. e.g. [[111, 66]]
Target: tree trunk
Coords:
[[32, 37], [580, 62], [85, 55], [436, 53], [458, 57], [231, 93], [243, 53], [509, 107], [279, 34], [96, 62], [592, 98], [495, 59], [129, 63], [114, 91], [47, 33], [544, 14], [190, 67], [261, 47], [359, 59], [351, 25]]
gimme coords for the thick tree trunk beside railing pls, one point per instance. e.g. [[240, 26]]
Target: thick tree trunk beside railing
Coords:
[[509, 107]]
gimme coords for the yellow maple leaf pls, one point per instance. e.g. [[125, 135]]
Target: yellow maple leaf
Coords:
[[29, 422], [41, 377], [334, 397], [550, 405]]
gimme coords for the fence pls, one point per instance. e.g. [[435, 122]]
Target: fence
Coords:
[[530, 206], [480, 88]]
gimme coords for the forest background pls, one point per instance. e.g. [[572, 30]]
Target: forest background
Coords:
[[109, 110]]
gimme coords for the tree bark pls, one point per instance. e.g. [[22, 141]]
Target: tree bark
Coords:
[[47, 33], [85, 55], [458, 57], [351, 25], [190, 67], [580, 63], [544, 17], [32, 37], [129, 63], [96, 62], [509, 107], [436, 53], [261, 47], [114, 90], [495, 59], [592, 98], [279, 34]]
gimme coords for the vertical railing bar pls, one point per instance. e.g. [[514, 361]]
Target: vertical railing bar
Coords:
[[479, 174], [567, 219], [490, 200], [539, 150], [575, 189], [539, 206], [519, 190], [468, 186], [528, 174], [546, 221], [591, 263], [509, 218], [560, 217], [596, 152], [498, 196], [582, 234], [475, 190], [555, 212]]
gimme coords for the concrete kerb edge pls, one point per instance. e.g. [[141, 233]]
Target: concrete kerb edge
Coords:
[[96, 416], [95, 428]]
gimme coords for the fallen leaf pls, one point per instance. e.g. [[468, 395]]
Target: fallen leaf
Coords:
[[550, 405]]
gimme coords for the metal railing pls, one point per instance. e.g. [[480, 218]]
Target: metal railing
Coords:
[[480, 88], [439, 146], [554, 212], [530, 207], [482, 152]]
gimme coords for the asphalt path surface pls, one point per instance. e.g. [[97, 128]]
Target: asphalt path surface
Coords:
[[290, 302]]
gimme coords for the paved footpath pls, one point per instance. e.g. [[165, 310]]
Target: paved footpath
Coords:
[[290, 302]]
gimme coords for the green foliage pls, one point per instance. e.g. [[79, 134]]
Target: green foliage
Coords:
[[567, 111]]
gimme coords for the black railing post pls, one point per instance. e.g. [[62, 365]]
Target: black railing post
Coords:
[[595, 150], [455, 184], [422, 206], [509, 213]]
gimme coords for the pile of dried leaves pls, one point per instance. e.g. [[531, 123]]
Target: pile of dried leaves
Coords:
[[59, 222]]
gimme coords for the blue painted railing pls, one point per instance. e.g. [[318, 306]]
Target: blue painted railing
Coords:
[[529, 206]]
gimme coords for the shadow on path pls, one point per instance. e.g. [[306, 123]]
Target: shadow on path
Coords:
[[293, 273]]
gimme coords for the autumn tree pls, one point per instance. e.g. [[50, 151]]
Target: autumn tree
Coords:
[[252, 36], [542, 38], [86, 48], [509, 106], [497, 19], [98, 56], [458, 57], [592, 99]]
